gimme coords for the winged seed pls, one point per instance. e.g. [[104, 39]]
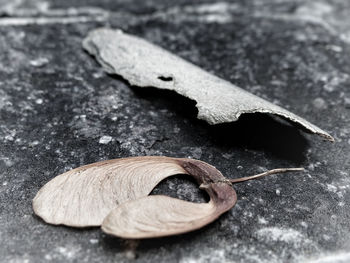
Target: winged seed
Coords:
[[114, 194]]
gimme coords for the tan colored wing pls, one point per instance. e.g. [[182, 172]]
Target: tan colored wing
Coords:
[[85, 196], [158, 215]]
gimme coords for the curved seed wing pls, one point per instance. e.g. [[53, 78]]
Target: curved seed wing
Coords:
[[84, 196], [158, 215]]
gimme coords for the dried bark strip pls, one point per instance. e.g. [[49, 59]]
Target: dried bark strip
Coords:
[[146, 65]]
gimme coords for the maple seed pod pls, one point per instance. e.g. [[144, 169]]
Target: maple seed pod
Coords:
[[114, 194], [158, 215]]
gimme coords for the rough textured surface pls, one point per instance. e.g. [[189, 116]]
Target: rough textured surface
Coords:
[[143, 64], [58, 110]]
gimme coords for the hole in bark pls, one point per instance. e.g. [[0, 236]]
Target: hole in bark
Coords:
[[163, 78]]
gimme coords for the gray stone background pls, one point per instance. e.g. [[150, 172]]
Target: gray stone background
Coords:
[[59, 110]]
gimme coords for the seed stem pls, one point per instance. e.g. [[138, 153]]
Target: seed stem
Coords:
[[274, 171]]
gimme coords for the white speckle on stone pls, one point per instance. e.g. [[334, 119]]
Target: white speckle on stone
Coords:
[[261, 201], [114, 118], [286, 235], [82, 117], [326, 237], [335, 48], [43, 6], [248, 214], [275, 82], [8, 162], [4, 183], [239, 167], [93, 241], [278, 192], [98, 74], [311, 167], [220, 7], [63, 251], [340, 257], [347, 102], [105, 139], [262, 220], [328, 88], [319, 103], [194, 152], [68, 253], [334, 80], [227, 156], [331, 188], [9, 138], [216, 18], [314, 9], [34, 143], [215, 256], [39, 62], [153, 113], [39, 101], [130, 254], [304, 224], [261, 169]]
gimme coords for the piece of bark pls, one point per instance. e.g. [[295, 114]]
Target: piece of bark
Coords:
[[146, 65]]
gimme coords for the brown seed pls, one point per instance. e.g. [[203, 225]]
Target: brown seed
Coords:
[[157, 215], [114, 194]]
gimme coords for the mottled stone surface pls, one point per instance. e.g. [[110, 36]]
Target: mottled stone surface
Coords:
[[58, 110]]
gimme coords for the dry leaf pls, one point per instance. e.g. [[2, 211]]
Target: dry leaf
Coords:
[[146, 65]]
